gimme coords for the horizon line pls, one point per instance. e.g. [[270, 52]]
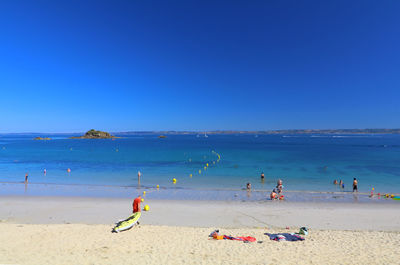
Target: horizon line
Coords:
[[224, 131]]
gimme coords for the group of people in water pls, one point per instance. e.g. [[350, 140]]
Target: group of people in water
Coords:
[[276, 193], [341, 184]]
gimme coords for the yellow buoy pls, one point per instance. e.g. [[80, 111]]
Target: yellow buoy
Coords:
[[174, 180], [146, 208], [199, 171], [392, 196], [190, 175], [207, 165], [158, 186], [142, 200], [205, 168], [144, 193]]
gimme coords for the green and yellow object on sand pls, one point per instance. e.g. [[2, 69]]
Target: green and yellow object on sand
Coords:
[[128, 223]]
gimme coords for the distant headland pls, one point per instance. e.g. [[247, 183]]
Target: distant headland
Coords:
[[93, 134], [42, 138]]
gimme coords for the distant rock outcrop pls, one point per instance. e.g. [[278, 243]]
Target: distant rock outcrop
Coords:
[[93, 134], [42, 138]]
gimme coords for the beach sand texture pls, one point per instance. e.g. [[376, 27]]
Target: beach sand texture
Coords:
[[67, 230], [94, 244]]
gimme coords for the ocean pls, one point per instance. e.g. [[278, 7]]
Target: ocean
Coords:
[[305, 163]]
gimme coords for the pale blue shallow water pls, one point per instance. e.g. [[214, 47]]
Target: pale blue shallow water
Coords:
[[304, 162]]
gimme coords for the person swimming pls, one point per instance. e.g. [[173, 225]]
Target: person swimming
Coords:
[[262, 175]]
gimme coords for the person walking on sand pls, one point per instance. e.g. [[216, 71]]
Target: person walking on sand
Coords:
[[136, 204], [355, 185]]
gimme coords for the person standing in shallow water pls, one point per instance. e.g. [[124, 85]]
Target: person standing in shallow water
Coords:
[[26, 178], [355, 185], [139, 174]]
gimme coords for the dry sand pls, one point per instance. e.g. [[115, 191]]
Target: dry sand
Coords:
[[34, 230]]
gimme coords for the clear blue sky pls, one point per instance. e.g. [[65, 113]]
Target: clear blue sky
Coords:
[[69, 66]]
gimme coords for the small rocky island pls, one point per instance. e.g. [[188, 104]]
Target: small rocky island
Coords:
[[93, 134], [42, 138]]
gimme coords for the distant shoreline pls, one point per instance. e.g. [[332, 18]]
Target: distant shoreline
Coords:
[[260, 132]]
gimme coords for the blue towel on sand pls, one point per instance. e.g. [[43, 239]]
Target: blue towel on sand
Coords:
[[285, 237]]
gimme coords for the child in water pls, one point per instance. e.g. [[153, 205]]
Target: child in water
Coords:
[[273, 195], [248, 186], [279, 186]]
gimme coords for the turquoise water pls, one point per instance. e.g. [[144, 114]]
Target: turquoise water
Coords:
[[304, 162]]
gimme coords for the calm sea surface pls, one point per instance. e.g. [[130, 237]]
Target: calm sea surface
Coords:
[[304, 162]]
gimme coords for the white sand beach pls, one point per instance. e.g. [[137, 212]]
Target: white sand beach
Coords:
[[70, 230]]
